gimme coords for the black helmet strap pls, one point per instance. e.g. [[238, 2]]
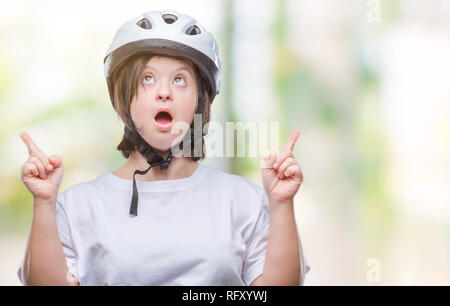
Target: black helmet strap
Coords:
[[153, 159]]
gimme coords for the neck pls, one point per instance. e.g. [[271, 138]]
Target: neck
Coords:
[[179, 167]]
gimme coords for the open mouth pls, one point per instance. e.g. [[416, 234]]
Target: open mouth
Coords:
[[163, 120]]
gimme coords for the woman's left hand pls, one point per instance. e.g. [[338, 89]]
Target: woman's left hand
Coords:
[[282, 175]]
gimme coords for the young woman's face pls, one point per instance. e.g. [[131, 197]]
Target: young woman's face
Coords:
[[167, 94]]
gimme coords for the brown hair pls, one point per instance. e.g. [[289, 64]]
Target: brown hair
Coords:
[[125, 84]]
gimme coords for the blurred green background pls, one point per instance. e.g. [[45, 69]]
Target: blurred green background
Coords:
[[365, 82]]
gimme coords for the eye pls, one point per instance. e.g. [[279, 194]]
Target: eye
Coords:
[[148, 79], [179, 80]]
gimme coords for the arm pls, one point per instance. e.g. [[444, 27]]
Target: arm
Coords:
[[282, 263], [282, 177], [44, 262]]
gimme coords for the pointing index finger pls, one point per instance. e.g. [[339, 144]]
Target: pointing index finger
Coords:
[[291, 141], [32, 147], [288, 148]]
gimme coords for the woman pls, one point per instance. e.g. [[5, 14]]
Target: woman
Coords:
[[194, 225]]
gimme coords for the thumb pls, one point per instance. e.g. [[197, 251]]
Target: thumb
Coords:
[[269, 160], [55, 160]]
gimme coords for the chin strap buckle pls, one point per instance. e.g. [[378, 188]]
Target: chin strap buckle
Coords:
[[165, 164]]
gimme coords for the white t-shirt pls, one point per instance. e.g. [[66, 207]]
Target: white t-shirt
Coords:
[[211, 228]]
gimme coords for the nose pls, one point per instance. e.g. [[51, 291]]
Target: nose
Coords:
[[164, 92]]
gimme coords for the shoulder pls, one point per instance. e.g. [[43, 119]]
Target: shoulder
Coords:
[[79, 193], [240, 188], [248, 202], [230, 180]]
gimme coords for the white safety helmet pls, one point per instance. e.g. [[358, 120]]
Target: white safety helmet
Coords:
[[167, 33]]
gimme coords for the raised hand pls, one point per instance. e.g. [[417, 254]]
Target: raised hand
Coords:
[[41, 175], [282, 175]]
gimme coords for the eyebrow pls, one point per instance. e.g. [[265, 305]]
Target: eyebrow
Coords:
[[176, 70]]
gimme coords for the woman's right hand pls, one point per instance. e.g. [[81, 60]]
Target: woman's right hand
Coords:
[[41, 175]]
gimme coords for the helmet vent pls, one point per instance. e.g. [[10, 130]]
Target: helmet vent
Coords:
[[193, 30], [144, 23], [169, 18]]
